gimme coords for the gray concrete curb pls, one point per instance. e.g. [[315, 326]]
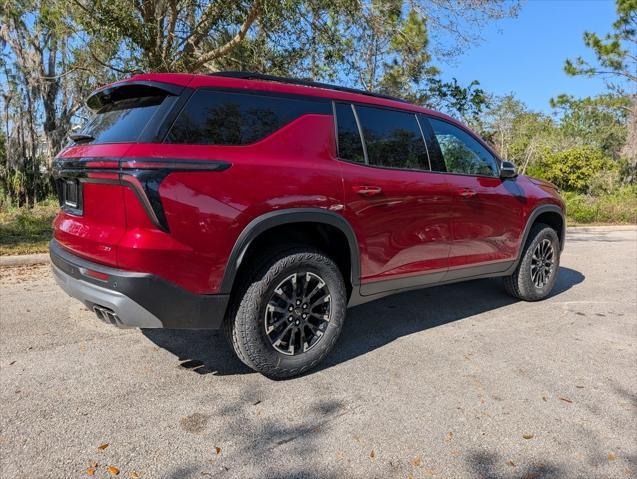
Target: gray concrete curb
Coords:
[[23, 260], [584, 228]]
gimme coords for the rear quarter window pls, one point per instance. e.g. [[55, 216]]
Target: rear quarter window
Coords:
[[221, 118]]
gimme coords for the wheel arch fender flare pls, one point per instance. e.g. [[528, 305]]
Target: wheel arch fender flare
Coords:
[[272, 219], [550, 208]]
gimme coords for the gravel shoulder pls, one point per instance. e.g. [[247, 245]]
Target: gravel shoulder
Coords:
[[447, 382]]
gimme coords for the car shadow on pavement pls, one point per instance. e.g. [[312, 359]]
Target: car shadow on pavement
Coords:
[[366, 328], [375, 324], [203, 352]]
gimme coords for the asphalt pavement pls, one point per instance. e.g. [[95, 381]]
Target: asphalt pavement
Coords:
[[447, 382]]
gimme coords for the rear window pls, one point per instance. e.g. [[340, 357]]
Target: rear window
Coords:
[[222, 118], [122, 121]]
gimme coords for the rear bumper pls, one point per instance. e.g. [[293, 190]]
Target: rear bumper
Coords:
[[131, 299]]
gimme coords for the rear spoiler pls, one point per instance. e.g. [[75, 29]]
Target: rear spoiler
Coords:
[[130, 89]]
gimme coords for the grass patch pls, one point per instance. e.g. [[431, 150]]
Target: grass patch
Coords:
[[618, 207], [27, 230]]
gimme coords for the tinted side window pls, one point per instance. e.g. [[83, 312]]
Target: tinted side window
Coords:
[[433, 149], [392, 138], [350, 146], [221, 118], [461, 152]]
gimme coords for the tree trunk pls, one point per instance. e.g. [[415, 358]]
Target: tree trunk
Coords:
[[630, 148]]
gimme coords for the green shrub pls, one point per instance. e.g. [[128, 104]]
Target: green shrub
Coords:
[[604, 182], [619, 206], [575, 169]]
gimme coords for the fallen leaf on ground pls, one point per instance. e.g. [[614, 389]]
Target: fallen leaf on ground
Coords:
[[511, 463], [93, 464], [416, 461], [527, 436], [217, 450], [134, 475], [101, 447], [372, 454], [90, 471], [565, 399], [611, 456], [113, 471], [449, 436]]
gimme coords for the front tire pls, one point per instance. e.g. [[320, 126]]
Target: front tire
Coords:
[[536, 273], [289, 314]]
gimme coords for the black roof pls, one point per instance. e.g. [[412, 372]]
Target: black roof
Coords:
[[298, 81]]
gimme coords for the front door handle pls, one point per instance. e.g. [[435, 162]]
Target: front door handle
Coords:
[[367, 190], [467, 192]]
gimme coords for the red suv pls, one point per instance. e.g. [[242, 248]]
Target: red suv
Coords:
[[267, 206]]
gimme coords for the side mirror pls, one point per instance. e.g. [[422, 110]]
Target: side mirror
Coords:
[[507, 170]]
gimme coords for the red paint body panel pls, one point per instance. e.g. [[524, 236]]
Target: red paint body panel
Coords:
[[97, 232], [487, 221], [415, 223], [403, 230]]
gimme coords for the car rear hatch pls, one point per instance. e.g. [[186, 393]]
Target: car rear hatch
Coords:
[[90, 187]]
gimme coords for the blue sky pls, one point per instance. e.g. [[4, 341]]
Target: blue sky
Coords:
[[525, 55]]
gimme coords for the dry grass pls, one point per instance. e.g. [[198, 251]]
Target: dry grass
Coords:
[[27, 230]]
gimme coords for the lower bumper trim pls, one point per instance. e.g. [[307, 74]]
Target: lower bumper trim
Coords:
[[137, 300]]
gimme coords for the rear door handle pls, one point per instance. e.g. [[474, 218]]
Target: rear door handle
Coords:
[[467, 192], [367, 190]]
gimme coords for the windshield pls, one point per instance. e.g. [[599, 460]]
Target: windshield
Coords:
[[122, 121]]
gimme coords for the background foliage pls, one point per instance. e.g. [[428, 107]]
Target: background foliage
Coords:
[[54, 52]]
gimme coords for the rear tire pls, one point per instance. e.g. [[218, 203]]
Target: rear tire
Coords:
[[275, 327], [536, 273]]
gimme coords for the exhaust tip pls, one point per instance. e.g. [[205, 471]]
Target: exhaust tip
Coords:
[[106, 315]]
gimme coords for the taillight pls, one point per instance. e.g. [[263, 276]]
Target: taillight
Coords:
[[142, 176]]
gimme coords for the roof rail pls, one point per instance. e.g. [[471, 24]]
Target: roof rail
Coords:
[[297, 81]]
